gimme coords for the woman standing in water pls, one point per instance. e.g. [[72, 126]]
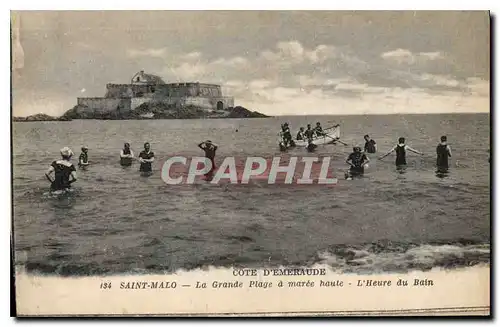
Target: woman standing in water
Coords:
[[400, 149], [63, 170], [126, 155]]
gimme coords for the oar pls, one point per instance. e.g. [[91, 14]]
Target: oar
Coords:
[[337, 140], [335, 126], [49, 179]]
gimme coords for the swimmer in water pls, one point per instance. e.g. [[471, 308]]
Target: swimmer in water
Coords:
[[357, 161], [83, 160], [400, 149], [126, 155], [64, 172], [370, 144], [209, 148], [443, 152], [146, 158], [287, 135], [311, 146]]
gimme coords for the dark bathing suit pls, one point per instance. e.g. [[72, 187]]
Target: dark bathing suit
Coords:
[[210, 154], [146, 166], [400, 155], [309, 133], [442, 157], [357, 159], [62, 172], [370, 146], [84, 158], [126, 161]]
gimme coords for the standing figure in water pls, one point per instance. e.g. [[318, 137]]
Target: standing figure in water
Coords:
[[310, 145], [357, 161], [287, 135], [83, 160], [146, 157], [209, 148], [443, 152], [370, 144], [63, 170], [126, 155], [400, 149]]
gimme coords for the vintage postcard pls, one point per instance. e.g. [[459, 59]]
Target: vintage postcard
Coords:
[[251, 163]]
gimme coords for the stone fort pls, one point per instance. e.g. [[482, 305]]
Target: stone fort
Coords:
[[144, 88]]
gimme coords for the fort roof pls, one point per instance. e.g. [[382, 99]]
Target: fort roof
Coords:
[[143, 78], [177, 84]]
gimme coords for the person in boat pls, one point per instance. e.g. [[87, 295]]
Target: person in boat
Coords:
[[146, 158], [126, 155], [309, 133], [300, 134], [443, 152], [401, 149], [83, 160], [63, 170], [318, 130], [209, 148], [357, 161], [370, 144]]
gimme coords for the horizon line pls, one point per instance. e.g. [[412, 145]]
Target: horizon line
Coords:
[[294, 115]]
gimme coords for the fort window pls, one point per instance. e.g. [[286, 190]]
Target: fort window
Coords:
[[220, 105]]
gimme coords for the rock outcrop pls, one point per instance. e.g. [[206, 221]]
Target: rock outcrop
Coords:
[[152, 110], [40, 117]]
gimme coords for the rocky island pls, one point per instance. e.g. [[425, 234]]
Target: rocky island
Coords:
[[147, 96], [147, 112]]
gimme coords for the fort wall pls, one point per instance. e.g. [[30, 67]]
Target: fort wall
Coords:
[[103, 105], [164, 90]]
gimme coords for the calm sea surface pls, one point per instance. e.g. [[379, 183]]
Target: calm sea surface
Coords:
[[119, 222]]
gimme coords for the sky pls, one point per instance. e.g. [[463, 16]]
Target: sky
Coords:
[[274, 62]]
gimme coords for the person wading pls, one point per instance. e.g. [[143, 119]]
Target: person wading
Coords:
[[357, 161], [209, 148], [287, 135], [370, 144], [146, 158], [443, 152], [400, 150], [83, 160], [63, 170], [126, 155]]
